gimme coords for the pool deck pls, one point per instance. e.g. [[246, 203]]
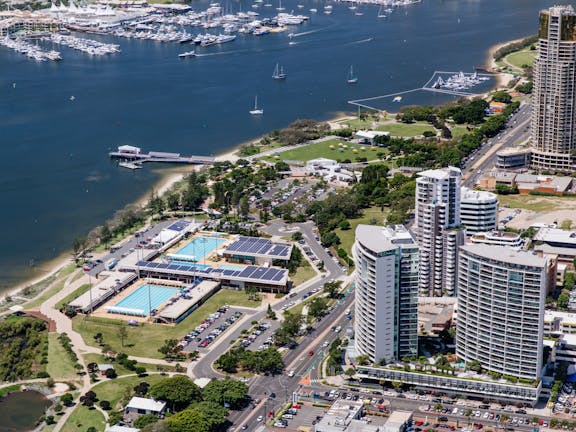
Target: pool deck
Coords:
[[103, 313], [200, 258]]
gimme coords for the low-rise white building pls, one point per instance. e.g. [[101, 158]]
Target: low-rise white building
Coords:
[[139, 406]]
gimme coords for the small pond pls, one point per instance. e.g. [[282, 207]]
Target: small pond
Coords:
[[20, 410]]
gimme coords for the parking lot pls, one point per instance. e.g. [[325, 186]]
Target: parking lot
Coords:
[[200, 338]]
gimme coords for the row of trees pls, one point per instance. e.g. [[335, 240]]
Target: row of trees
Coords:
[[195, 409], [268, 361]]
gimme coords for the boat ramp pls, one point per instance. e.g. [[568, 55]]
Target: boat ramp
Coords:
[[131, 153]]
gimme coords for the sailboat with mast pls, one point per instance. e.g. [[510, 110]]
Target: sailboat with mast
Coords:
[[352, 79], [256, 110], [279, 73]]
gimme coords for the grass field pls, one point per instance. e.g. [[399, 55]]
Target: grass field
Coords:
[[303, 274], [322, 149], [537, 203], [121, 370], [82, 418], [458, 131], [356, 123], [521, 58], [144, 341], [406, 130], [60, 365], [369, 215], [114, 390], [72, 296]]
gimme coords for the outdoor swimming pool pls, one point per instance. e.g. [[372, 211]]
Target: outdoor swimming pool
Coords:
[[201, 247], [146, 298], [191, 264], [230, 267]]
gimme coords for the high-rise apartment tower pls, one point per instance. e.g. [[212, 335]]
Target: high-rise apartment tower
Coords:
[[438, 229], [386, 326], [554, 93]]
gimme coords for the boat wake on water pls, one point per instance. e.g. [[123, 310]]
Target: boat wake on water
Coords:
[[311, 31], [359, 41]]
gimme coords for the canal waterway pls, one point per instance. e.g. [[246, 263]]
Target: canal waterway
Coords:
[[56, 181]]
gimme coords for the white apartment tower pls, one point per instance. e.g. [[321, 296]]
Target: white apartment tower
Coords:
[[478, 210], [554, 94], [501, 295], [386, 326], [438, 229]]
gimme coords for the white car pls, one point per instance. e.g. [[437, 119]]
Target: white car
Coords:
[[291, 373], [259, 419]]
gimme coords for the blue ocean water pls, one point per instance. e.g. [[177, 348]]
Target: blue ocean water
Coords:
[[56, 181]]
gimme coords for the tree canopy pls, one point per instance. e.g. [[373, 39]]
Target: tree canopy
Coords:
[[178, 392], [200, 417], [226, 391]]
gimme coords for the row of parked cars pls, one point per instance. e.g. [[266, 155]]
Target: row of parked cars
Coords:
[[203, 342], [249, 339]]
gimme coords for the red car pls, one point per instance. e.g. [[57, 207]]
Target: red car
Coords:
[[310, 353]]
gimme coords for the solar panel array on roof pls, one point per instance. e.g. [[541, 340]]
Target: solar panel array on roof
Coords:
[[253, 273], [259, 246], [179, 225]]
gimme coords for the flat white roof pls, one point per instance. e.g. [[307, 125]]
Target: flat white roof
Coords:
[[397, 420], [117, 428], [441, 174], [472, 195], [505, 254], [146, 404], [556, 235], [381, 239]]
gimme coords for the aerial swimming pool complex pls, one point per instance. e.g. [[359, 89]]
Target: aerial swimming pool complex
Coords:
[[144, 299], [201, 247]]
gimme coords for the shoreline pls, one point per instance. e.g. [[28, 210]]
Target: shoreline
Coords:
[[169, 178]]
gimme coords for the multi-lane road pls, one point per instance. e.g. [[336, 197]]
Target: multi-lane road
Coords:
[[517, 132]]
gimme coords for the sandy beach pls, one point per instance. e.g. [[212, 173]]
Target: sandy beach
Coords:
[[502, 79]]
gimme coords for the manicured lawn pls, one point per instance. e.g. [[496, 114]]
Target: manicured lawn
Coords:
[[358, 124], [323, 149], [521, 58], [406, 130], [458, 131], [121, 370], [144, 340], [114, 390], [303, 273], [60, 365], [371, 214], [73, 295], [536, 203], [82, 418]]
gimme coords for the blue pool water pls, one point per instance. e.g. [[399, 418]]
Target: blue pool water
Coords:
[[191, 264], [201, 247], [230, 267], [139, 299]]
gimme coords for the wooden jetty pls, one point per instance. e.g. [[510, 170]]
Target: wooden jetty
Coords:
[[127, 152]]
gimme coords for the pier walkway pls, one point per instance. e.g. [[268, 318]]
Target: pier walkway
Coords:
[[135, 154]]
